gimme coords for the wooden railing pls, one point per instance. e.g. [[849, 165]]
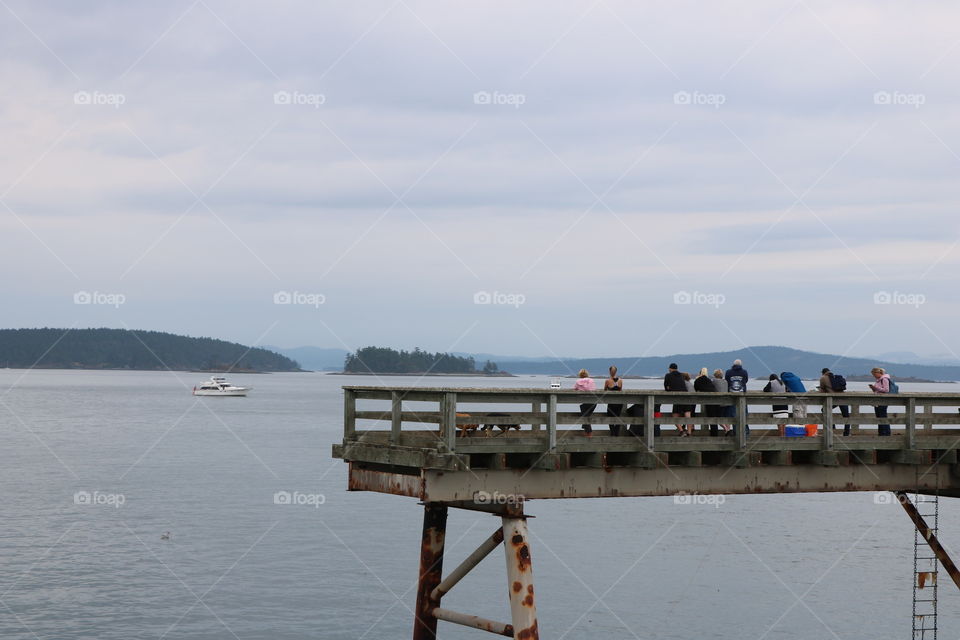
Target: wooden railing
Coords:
[[918, 420]]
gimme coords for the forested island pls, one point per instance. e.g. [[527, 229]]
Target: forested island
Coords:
[[385, 360], [131, 349]]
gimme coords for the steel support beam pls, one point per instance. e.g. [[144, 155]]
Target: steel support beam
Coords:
[[475, 622], [431, 570], [929, 536], [472, 561], [523, 608]]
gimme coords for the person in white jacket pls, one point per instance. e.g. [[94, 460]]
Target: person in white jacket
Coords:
[[881, 387]]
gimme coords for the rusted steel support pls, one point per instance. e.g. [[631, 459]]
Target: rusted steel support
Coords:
[[929, 536], [472, 560], [475, 622], [523, 608], [431, 570]]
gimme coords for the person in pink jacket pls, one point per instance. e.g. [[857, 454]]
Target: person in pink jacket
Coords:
[[586, 383], [880, 387]]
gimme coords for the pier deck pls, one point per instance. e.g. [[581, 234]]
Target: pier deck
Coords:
[[429, 444], [422, 448]]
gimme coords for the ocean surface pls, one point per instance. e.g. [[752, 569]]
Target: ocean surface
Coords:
[[96, 466]]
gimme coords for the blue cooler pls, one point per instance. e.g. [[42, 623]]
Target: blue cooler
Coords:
[[794, 431]]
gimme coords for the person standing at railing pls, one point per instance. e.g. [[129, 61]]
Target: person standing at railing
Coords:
[[614, 383], [775, 385], [703, 385], [674, 381], [724, 411], [737, 379], [828, 385], [585, 383], [881, 387]]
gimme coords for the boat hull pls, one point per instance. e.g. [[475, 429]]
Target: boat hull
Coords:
[[226, 393]]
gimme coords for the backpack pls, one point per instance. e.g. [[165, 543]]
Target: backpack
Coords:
[[838, 382], [792, 382], [894, 387]]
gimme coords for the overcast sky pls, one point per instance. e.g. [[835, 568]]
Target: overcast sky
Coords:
[[535, 178]]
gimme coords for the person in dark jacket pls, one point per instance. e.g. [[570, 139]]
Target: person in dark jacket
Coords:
[[674, 381], [703, 384], [614, 383], [826, 386], [737, 378]]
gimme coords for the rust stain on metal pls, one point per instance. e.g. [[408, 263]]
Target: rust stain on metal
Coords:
[[530, 633], [528, 600], [392, 483], [523, 558], [517, 586]]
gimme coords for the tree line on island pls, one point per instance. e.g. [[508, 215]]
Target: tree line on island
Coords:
[[386, 360], [128, 349]]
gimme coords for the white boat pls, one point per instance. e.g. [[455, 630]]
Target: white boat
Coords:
[[218, 386]]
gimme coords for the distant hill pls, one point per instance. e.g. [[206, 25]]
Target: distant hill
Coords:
[[123, 349], [315, 358], [759, 361]]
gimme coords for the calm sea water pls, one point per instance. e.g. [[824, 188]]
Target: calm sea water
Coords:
[[96, 466]]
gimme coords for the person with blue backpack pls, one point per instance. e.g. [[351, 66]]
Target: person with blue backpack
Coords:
[[794, 385], [883, 386], [835, 383]]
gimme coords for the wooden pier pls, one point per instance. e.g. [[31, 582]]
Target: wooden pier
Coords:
[[493, 449]]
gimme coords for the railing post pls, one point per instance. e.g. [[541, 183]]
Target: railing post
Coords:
[[910, 441], [448, 421], [741, 421], [552, 423], [349, 414], [396, 409], [535, 407], [828, 422], [648, 418]]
